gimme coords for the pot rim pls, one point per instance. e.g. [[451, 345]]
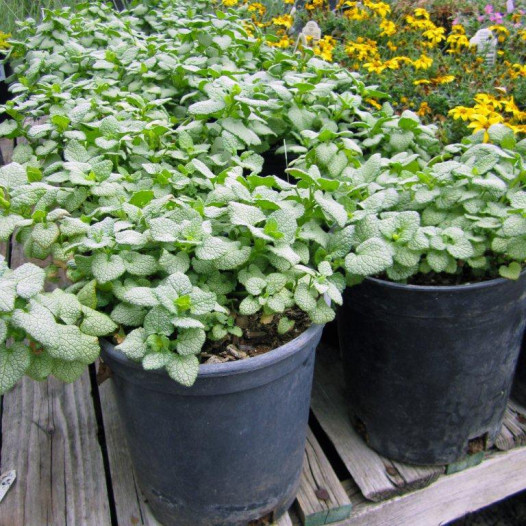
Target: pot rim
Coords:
[[495, 282], [228, 368]]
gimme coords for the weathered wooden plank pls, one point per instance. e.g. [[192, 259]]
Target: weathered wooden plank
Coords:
[[377, 477], [321, 497], [49, 432], [449, 497], [129, 502], [50, 439]]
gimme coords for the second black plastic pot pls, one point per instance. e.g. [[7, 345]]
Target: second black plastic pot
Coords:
[[518, 392], [430, 368], [227, 450]]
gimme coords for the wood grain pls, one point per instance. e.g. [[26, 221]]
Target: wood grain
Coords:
[[315, 508], [50, 438], [131, 510], [449, 498], [49, 435]]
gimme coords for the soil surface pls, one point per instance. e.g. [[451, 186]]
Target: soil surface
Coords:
[[464, 277], [260, 335]]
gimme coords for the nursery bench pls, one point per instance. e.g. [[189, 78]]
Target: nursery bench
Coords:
[[73, 466]]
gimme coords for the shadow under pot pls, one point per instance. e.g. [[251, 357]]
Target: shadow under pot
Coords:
[[230, 448], [518, 392], [429, 369]]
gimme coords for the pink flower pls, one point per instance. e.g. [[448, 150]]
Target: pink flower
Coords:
[[496, 17], [510, 6], [481, 18], [488, 9]]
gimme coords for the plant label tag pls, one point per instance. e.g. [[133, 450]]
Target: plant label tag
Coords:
[[6, 481], [312, 29], [2, 73]]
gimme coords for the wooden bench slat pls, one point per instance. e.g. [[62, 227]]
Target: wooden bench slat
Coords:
[[318, 475], [50, 438], [449, 498], [129, 502]]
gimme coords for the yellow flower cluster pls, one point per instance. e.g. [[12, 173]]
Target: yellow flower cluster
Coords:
[[4, 37], [284, 42], [445, 79], [364, 10], [230, 3], [362, 49], [316, 4], [283, 20], [490, 110], [457, 40], [324, 48], [257, 8]]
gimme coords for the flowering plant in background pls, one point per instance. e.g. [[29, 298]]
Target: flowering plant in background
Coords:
[[4, 44], [420, 54]]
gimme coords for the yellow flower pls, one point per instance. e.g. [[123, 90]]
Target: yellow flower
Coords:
[[484, 99], [435, 35], [288, 1], [458, 29], [446, 79], [375, 66], [457, 42], [461, 112], [380, 9], [284, 42], [283, 20], [422, 13], [423, 62], [256, 6], [230, 3], [356, 14], [4, 37], [393, 63], [421, 81], [374, 103], [522, 34], [391, 46], [388, 29], [315, 4], [424, 109], [324, 48], [362, 49]]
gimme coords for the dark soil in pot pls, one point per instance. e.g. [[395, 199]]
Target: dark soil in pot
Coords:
[[429, 369], [227, 450]]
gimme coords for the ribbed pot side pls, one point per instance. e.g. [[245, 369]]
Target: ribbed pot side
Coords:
[[430, 368], [227, 450]]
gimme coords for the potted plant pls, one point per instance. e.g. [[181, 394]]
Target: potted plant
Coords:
[[199, 275], [431, 336]]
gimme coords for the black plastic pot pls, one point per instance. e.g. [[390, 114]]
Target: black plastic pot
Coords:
[[276, 164], [227, 450], [518, 392], [430, 368], [5, 72]]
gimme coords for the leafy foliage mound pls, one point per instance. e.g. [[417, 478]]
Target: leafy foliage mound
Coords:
[[144, 182]]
